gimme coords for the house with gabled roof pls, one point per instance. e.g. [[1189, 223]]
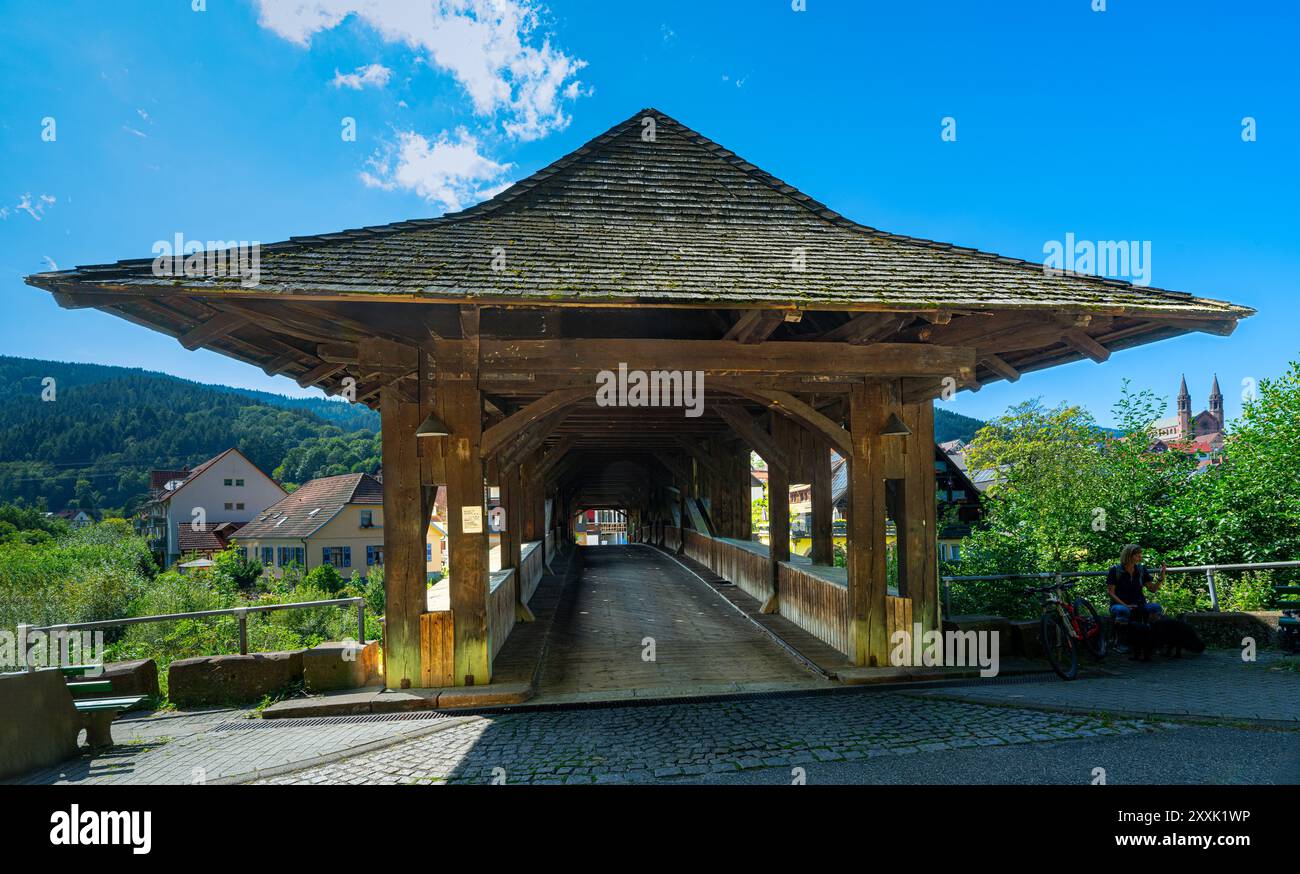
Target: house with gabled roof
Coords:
[[225, 489], [335, 520]]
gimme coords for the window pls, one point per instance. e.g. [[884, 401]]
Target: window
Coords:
[[374, 555], [428, 552], [239, 506], [338, 556], [292, 555], [367, 519], [955, 552], [268, 555], [239, 483], [229, 506], [229, 482]]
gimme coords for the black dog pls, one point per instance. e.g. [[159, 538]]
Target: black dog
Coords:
[[1141, 641], [1175, 636]]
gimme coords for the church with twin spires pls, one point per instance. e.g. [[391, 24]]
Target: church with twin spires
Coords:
[[1201, 433]]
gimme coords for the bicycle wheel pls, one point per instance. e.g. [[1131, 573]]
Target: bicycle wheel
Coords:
[[1091, 628], [1059, 646]]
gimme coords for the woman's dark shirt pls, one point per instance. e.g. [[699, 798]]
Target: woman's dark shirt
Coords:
[[1129, 588]]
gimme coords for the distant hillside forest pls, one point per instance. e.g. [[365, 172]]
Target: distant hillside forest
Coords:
[[93, 446]]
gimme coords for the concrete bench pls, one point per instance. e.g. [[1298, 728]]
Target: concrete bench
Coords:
[[97, 715]]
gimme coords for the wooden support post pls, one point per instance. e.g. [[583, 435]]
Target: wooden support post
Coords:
[[512, 541], [822, 550], [866, 552], [778, 530], [460, 406], [404, 536], [918, 569]]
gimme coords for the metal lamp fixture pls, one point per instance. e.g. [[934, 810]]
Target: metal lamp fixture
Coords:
[[895, 427], [433, 427]]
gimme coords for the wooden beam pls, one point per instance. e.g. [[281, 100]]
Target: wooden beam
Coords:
[[1085, 345], [495, 437], [555, 455], [749, 431], [459, 404], [866, 518], [867, 328], [803, 413], [996, 364], [215, 327], [319, 374], [590, 357], [822, 549], [404, 539]]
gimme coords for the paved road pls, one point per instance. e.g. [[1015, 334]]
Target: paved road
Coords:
[[630, 596], [1215, 685]]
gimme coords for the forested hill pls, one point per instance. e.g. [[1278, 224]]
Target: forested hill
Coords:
[[94, 444], [954, 426]]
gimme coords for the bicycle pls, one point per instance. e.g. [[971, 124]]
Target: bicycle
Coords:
[[1065, 625]]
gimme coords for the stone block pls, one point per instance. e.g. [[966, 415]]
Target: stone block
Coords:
[[329, 667], [1226, 630], [139, 677], [231, 679]]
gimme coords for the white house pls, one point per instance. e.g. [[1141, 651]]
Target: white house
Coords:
[[227, 488]]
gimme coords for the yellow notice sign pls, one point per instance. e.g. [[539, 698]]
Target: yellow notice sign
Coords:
[[471, 520]]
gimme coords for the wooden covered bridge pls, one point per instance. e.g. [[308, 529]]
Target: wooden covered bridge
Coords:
[[485, 337]]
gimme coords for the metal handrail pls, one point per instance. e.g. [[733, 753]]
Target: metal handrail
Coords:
[[1208, 569], [240, 612]]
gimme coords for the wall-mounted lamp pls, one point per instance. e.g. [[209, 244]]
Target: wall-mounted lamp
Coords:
[[433, 427]]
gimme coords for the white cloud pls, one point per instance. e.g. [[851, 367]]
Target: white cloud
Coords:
[[34, 207], [449, 171], [132, 130], [376, 75], [490, 47]]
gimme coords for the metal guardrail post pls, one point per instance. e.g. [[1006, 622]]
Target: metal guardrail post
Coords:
[[242, 616], [1214, 595], [361, 622], [947, 598], [23, 630]]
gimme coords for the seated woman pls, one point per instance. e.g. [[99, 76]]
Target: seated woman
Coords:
[[1128, 583]]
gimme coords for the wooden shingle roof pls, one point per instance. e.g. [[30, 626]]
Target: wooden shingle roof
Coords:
[[676, 219]]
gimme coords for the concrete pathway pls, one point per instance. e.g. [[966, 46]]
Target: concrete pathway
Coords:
[[1214, 685]]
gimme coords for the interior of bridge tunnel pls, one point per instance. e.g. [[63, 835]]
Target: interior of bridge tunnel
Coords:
[[620, 331]]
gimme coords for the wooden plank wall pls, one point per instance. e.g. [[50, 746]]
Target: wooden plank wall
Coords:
[[672, 537], [748, 570], [533, 569], [700, 547], [437, 650], [501, 611], [820, 608]]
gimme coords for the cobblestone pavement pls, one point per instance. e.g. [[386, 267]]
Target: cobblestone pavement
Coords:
[[673, 742], [1214, 685], [214, 746]]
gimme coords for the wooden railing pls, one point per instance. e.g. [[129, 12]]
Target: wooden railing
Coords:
[[534, 567], [672, 538], [817, 605], [501, 609]]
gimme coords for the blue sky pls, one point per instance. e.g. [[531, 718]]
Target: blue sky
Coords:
[[225, 124]]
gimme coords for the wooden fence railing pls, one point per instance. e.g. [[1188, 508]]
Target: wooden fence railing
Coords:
[[817, 605]]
